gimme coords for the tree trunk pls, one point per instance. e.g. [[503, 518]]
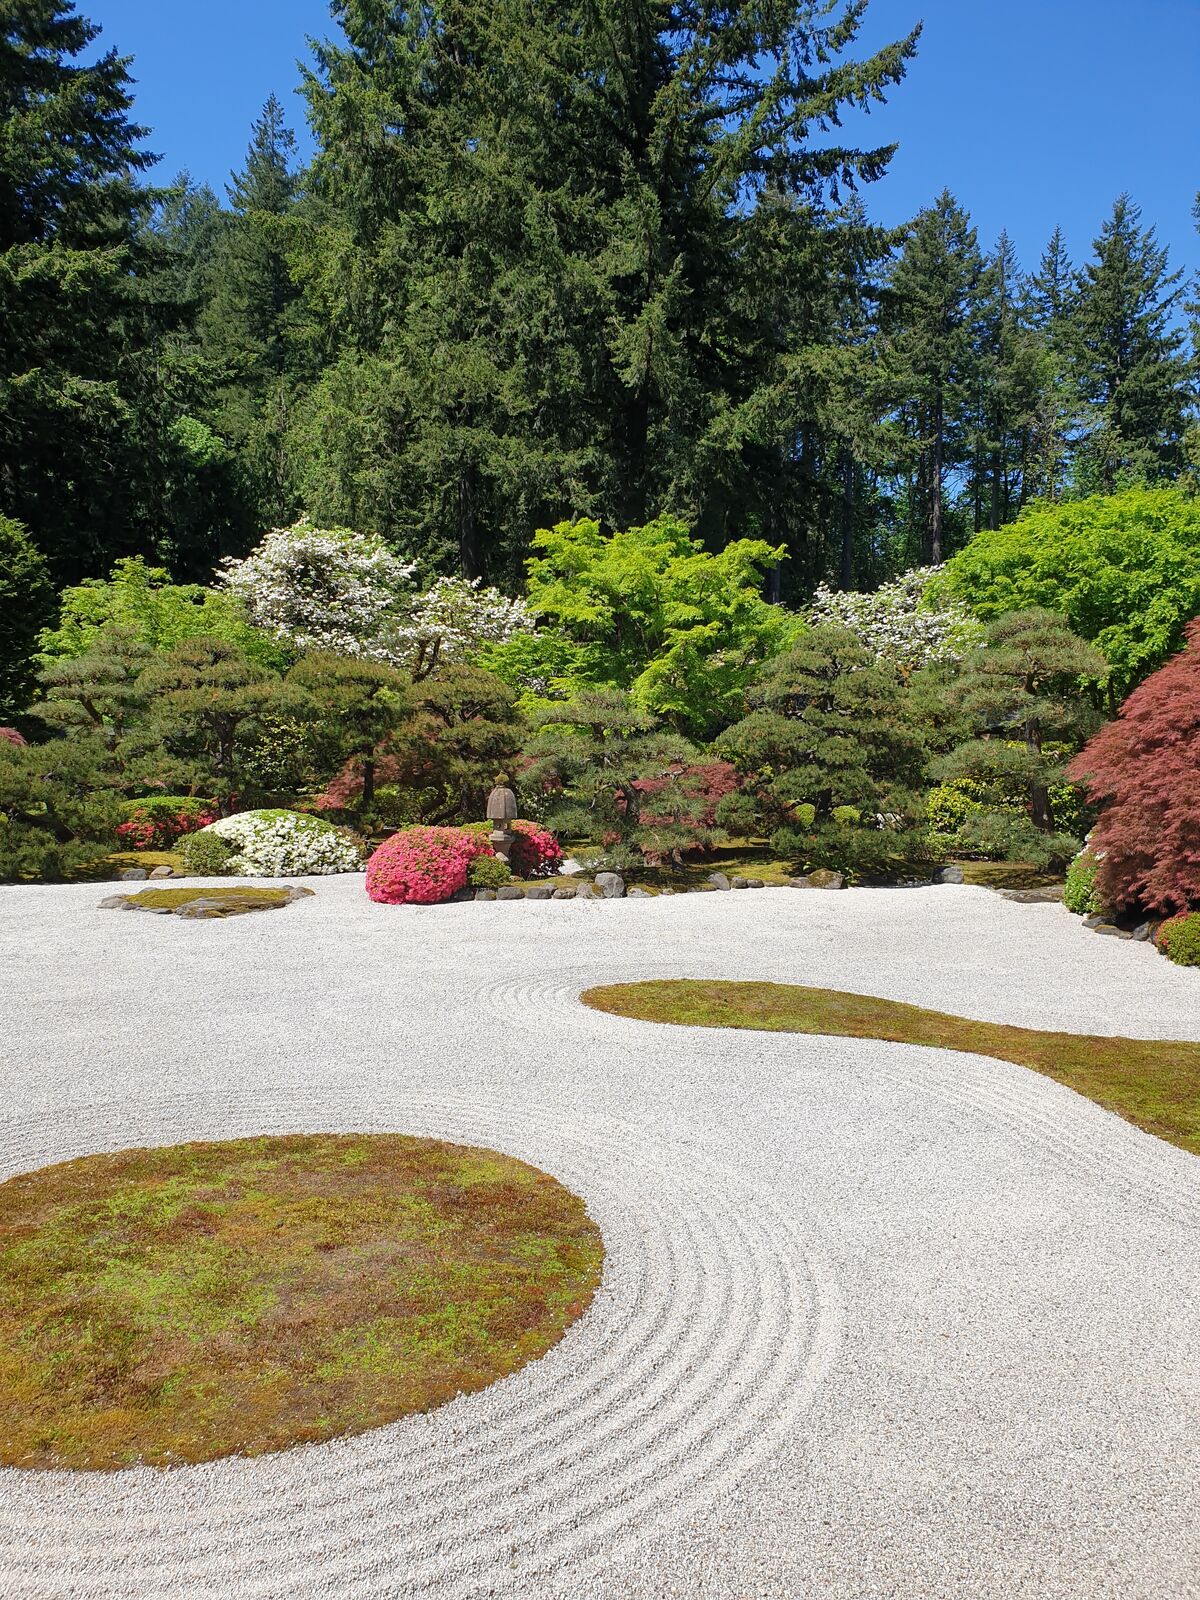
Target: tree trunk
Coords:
[[938, 468], [470, 554], [368, 788], [1041, 810], [846, 563]]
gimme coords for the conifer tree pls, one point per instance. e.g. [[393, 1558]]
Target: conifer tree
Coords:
[[932, 345], [1131, 369]]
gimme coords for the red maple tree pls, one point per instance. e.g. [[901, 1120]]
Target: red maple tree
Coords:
[[1144, 770]]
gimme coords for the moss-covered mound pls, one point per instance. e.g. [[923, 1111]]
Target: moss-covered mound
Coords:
[[1154, 1083], [218, 902], [181, 1304]]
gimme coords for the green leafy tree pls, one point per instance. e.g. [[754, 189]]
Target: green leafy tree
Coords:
[[1124, 570], [1133, 373], [829, 756], [140, 600], [649, 610], [595, 751], [26, 600], [1022, 691], [355, 706]]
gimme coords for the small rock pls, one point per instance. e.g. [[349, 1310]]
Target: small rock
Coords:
[[510, 891], [1112, 931], [485, 894], [116, 902], [200, 908], [823, 878], [949, 875], [799, 883], [461, 896], [641, 894], [133, 874], [1094, 920], [755, 883], [164, 872], [610, 884], [585, 891], [1143, 933], [300, 894], [739, 883], [539, 891], [718, 880], [564, 893], [1050, 895]]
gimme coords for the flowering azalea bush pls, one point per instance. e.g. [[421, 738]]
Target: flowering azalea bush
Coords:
[[902, 622], [11, 736], [1179, 939], [423, 866], [284, 844], [156, 822], [536, 853]]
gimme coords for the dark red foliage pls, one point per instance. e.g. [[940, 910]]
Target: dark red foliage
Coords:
[[1144, 770], [708, 783]]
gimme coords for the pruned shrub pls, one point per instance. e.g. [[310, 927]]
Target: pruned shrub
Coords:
[[1179, 939], [156, 822], [423, 866], [1081, 894], [283, 844], [1143, 770], [536, 853], [205, 855], [489, 872], [11, 736]]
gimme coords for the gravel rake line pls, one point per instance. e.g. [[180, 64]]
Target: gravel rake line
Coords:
[[687, 1392]]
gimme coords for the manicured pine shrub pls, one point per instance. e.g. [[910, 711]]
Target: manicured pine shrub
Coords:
[[156, 822], [1143, 770]]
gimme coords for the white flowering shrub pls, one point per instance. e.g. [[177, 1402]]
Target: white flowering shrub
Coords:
[[901, 622], [333, 589], [284, 844], [454, 620], [324, 589]]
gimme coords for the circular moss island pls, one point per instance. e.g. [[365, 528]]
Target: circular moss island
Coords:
[[177, 1305]]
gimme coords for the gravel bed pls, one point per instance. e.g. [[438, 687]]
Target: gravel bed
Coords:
[[876, 1320]]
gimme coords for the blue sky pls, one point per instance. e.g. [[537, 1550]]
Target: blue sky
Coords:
[[1034, 112]]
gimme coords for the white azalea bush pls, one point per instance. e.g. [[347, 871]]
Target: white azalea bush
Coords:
[[273, 844], [908, 623], [331, 589]]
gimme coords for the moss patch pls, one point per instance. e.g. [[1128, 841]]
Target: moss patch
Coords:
[[1150, 1082], [182, 1304], [240, 899], [1007, 875]]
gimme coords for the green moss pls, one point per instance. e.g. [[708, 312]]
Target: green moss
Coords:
[[181, 1304], [1153, 1083], [172, 899]]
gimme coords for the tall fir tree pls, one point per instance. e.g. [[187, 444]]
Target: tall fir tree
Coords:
[[931, 344], [1130, 363], [542, 257]]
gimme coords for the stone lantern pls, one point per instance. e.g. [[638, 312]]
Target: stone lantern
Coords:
[[502, 813]]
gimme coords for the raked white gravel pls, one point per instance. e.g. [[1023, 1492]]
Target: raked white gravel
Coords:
[[876, 1321]]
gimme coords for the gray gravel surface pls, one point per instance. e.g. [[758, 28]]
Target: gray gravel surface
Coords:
[[876, 1320]]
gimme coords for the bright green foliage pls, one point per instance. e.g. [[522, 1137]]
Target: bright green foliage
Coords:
[[489, 872], [595, 750], [829, 729], [1123, 569], [141, 600], [26, 599], [58, 807], [1179, 939], [1026, 682], [656, 614], [1081, 894], [205, 855]]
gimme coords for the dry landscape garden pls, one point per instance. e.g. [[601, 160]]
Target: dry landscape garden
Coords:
[[708, 688]]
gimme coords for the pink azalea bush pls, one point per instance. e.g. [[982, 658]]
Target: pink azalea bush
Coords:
[[423, 866], [11, 736], [536, 853], [158, 822]]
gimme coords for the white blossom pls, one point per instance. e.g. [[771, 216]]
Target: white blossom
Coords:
[[899, 623], [285, 844], [348, 593]]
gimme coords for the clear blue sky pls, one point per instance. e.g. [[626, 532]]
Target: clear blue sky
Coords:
[[1034, 112]]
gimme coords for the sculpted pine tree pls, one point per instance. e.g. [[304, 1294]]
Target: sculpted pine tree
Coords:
[[1022, 693]]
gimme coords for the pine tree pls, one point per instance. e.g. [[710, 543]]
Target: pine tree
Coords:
[[1051, 296], [932, 338], [1133, 375]]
